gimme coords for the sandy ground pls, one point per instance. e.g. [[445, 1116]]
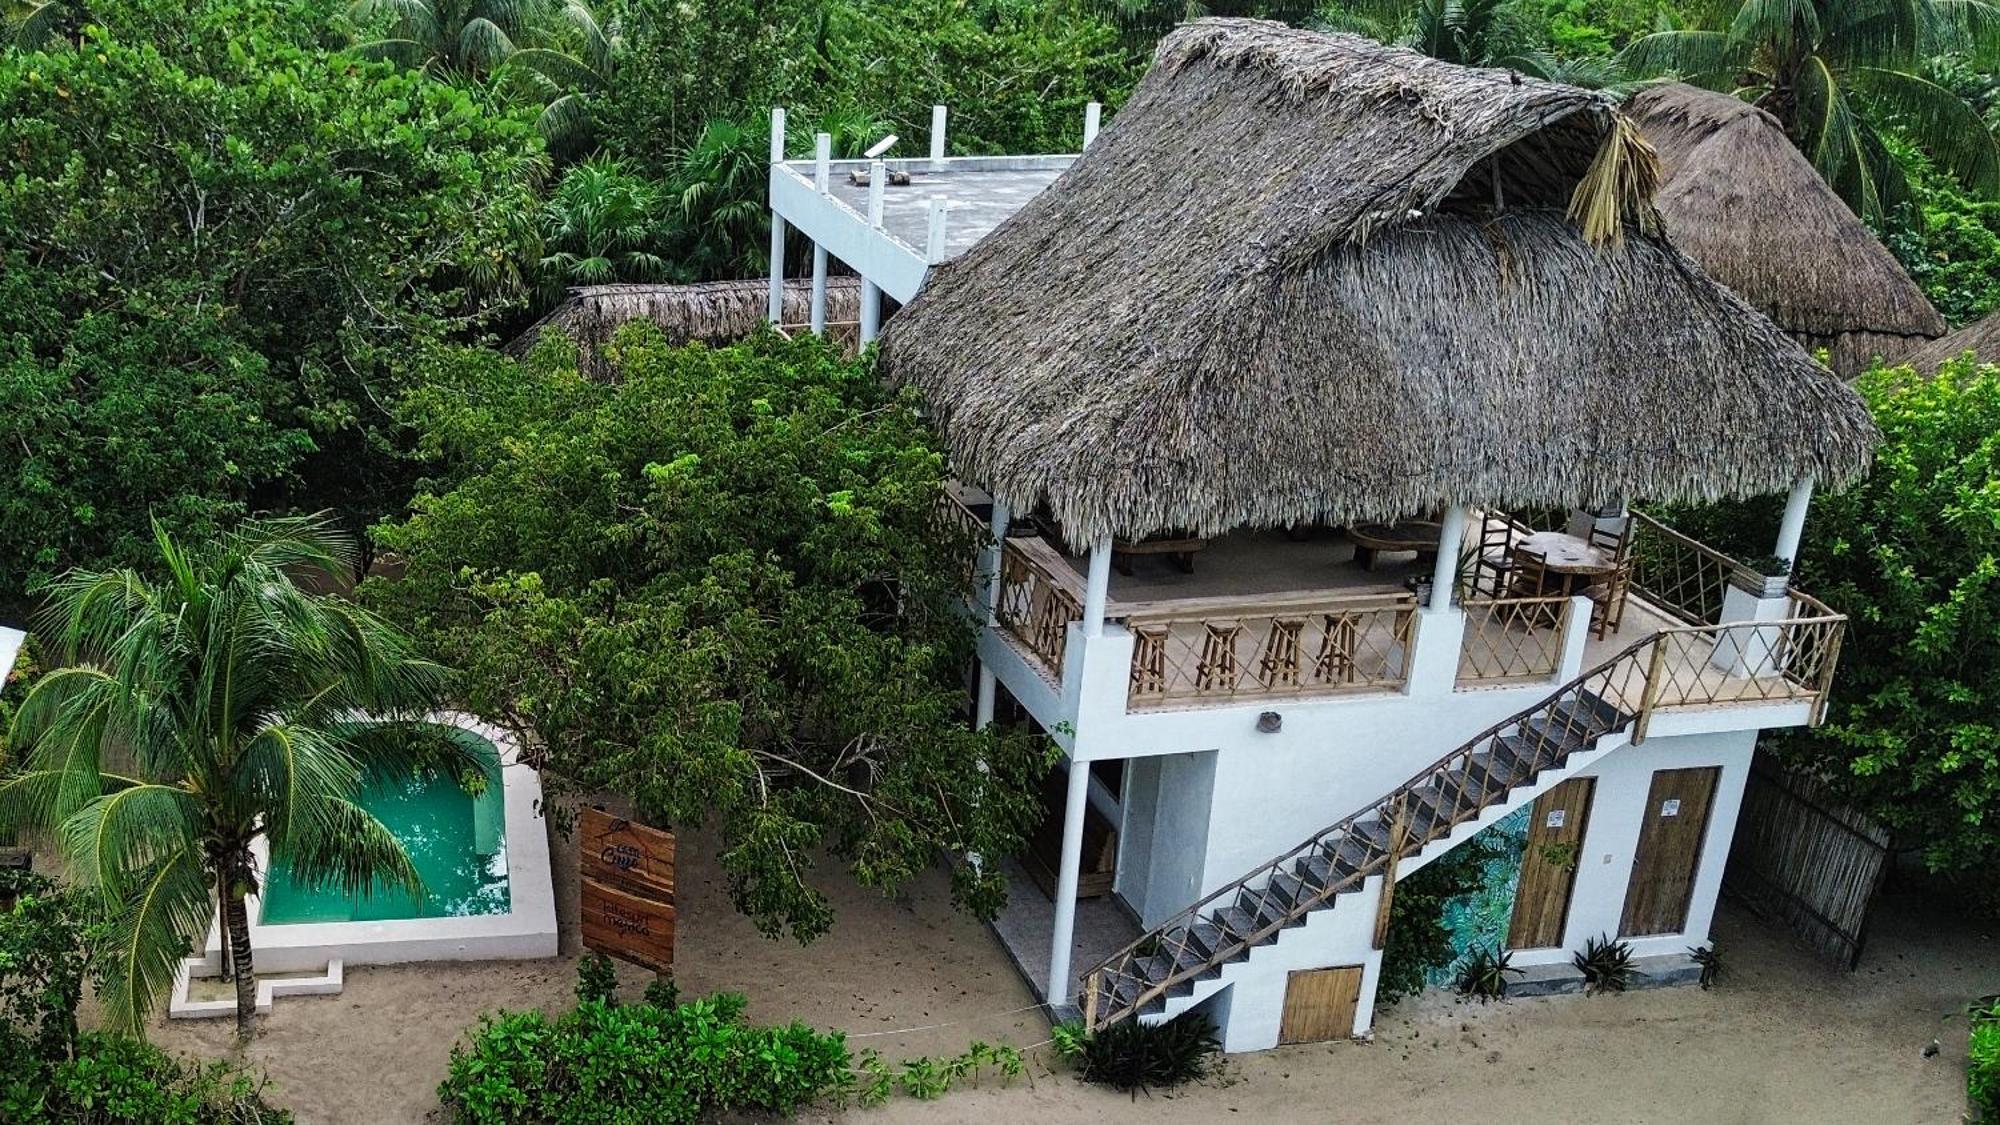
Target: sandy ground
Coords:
[[1781, 1040]]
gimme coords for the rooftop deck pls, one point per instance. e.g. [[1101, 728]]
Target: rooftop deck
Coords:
[[978, 192]]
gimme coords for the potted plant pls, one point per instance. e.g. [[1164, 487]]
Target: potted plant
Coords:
[[1769, 576]]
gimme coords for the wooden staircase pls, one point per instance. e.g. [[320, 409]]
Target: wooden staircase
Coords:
[[1492, 773]]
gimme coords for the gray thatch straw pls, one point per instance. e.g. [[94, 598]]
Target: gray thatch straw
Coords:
[[1741, 200], [712, 312], [1981, 337], [1274, 290]]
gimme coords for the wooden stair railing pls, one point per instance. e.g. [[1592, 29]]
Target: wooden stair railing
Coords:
[[1225, 925]]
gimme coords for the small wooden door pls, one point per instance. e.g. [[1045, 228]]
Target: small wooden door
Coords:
[[1548, 865], [1320, 1004], [1669, 852]]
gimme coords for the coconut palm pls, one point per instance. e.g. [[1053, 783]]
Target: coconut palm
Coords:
[[40, 25], [190, 713], [1836, 73]]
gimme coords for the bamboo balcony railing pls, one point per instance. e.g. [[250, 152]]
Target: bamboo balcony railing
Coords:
[[1512, 640], [1220, 650], [1039, 596]]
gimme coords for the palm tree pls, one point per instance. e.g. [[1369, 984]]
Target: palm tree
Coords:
[[1491, 33], [601, 224], [192, 713], [1836, 73], [555, 52]]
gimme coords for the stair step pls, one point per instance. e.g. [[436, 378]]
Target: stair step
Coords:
[[1605, 715]]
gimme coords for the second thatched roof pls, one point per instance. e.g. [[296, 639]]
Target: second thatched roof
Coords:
[[1981, 338], [709, 312], [1278, 289], [1739, 198]]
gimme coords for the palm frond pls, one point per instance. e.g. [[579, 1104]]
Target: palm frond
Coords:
[[355, 853], [120, 834], [166, 911], [1700, 56], [1942, 124]]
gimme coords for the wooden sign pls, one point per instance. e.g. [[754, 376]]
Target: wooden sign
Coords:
[[627, 854], [628, 889]]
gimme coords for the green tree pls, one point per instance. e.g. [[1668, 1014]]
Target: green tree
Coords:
[[1912, 556], [1947, 240], [716, 584], [1840, 75], [196, 709], [219, 238], [1489, 33]]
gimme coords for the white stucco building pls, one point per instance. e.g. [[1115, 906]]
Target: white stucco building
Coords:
[[1243, 398]]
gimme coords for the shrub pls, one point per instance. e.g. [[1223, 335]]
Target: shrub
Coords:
[[1483, 974], [638, 1062], [1606, 965], [1135, 1056], [1982, 1071], [116, 1080], [1419, 940]]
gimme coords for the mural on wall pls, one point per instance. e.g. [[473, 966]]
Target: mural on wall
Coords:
[[1481, 917]]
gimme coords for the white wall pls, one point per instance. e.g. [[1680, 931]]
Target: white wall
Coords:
[[1332, 938], [1618, 811], [1168, 807]]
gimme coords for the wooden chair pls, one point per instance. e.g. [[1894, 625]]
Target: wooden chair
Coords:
[[1529, 574], [1607, 599], [1217, 670], [1278, 664], [1490, 563], [1614, 539]]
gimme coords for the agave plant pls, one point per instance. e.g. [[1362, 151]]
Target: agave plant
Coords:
[[1483, 974], [1606, 964], [1836, 74]]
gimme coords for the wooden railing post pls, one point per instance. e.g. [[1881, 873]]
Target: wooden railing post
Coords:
[[1399, 830], [1090, 988], [1827, 664], [1650, 693]]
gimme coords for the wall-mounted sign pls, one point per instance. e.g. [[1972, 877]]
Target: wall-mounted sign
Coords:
[[628, 889], [1556, 818], [1670, 807]]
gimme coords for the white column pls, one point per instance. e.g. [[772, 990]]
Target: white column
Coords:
[[1097, 591], [1451, 537], [10, 648], [1092, 114], [937, 133], [934, 236], [871, 295], [1793, 526], [1064, 935], [982, 714], [822, 154], [775, 307], [996, 552]]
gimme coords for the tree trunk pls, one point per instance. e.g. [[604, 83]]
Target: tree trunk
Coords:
[[236, 923], [222, 904]]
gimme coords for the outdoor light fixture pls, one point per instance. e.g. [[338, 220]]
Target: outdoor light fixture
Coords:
[[1270, 722], [882, 146]]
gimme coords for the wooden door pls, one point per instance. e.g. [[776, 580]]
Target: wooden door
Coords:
[[1320, 1004], [1548, 865], [1669, 852]]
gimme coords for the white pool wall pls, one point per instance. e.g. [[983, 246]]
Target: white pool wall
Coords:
[[526, 930]]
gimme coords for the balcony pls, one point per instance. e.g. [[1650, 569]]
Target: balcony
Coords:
[[1264, 616]]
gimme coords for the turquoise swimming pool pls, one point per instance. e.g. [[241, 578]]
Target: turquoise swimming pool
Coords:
[[457, 840]]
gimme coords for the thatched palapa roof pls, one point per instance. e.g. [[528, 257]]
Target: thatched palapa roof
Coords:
[[1275, 290], [711, 312], [1981, 337], [1740, 199]]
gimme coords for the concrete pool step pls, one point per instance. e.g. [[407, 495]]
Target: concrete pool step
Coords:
[[185, 1006]]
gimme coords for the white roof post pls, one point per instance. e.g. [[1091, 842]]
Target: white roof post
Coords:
[[871, 296], [934, 242], [1792, 527], [1092, 114], [774, 305], [937, 133], [10, 647]]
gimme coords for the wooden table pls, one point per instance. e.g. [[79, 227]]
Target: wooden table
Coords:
[[1420, 536], [1181, 550], [1568, 564]]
